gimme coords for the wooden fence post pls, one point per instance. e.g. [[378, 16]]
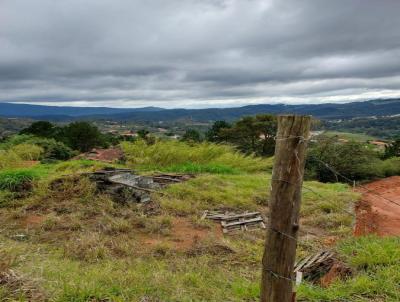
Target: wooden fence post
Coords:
[[283, 224]]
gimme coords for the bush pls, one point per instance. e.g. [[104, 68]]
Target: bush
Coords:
[[53, 149], [353, 160], [390, 167], [15, 140]]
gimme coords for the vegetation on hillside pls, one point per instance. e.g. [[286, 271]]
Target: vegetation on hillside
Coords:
[[250, 134], [62, 239], [330, 160], [81, 136], [171, 155]]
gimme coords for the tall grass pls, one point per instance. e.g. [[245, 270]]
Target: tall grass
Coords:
[[166, 154], [27, 151], [9, 159]]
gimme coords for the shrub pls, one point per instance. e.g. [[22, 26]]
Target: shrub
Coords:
[[352, 160], [15, 140], [53, 149], [390, 166]]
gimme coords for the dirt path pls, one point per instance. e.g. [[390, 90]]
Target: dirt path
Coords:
[[375, 214]]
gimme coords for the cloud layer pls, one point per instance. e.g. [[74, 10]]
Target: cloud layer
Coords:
[[198, 53]]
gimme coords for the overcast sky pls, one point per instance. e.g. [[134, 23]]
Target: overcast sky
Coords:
[[198, 53]]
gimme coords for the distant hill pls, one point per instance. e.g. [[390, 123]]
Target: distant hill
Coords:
[[26, 110], [331, 111]]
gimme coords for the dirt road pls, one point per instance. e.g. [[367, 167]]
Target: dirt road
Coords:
[[374, 213]]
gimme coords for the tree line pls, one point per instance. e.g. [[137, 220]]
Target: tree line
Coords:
[[250, 135]]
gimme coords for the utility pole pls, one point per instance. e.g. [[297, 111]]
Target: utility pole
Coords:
[[283, 224]]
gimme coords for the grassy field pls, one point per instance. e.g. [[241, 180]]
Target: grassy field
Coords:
[[358, 137], [65, 241]]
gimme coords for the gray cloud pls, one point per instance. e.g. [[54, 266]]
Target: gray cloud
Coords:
[[193, 53]]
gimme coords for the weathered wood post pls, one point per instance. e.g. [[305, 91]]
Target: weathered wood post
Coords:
[[287, 178]]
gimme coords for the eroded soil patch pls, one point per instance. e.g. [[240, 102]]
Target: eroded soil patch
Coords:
[[375, 213]]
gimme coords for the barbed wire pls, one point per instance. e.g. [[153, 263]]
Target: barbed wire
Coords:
[[333, 170], [299, 183], [276, 275]]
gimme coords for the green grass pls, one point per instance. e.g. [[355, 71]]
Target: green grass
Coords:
[[202, 168], [321, 207], [359, 137], [88, 247], [166, 154], [203, 278], [14, 179], [375, 262]]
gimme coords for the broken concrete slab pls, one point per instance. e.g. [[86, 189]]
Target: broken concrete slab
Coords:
[[127, 186]]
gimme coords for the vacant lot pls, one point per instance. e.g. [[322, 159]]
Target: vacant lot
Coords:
[[63, 240]]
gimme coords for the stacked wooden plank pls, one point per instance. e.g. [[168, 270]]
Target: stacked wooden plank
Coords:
[[315, 266], [231, 221]]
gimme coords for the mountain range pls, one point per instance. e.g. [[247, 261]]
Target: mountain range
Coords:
[[378, 107]]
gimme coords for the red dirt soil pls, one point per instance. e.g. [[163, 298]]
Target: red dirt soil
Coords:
[[375, 214], [184, 235], [33, 220], [106, 155]]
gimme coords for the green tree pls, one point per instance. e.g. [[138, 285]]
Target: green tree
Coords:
[[253, 134], [143, 133], [393, 149], [191, 135], [40, 128], [353, 160], [214, 134], [82, 136]]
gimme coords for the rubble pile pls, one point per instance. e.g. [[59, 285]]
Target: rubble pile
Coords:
[[123, 185], [105, 155], [126, 186]]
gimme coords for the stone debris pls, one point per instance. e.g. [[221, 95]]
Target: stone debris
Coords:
[[126, 186], [123, 185], [106, 155]]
